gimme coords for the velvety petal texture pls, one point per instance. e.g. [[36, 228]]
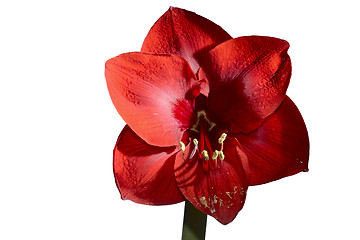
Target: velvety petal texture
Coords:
[[154, 94], [184, 33], [279, 147], [144, 173], [248, 79], [220, 193]]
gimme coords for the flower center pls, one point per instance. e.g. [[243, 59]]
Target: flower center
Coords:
[[208, 143]]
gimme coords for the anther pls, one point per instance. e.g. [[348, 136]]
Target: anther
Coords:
[[195, 141], [221, 155], [222, 138], [182, 146], [215, 155], [205, 154]]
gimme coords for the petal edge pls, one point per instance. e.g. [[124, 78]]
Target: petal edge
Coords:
[[144, 173], [279, 147]]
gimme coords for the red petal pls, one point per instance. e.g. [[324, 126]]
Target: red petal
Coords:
[[220, 193], [154, 94], [279, 147], [248, 80], [144, 173], [184, 33]]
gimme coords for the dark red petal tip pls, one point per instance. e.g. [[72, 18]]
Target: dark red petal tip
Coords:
[[144, 173]]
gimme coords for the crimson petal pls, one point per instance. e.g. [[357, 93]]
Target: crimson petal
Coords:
[[144, 173], [248, 79], [220, 193], [279, 147], [184, 33], [154, 94]]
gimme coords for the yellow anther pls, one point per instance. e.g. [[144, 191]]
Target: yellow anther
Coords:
[[215, 155], [182, 146], [222, 138], [221, 155], [205, 154], [195, 141]]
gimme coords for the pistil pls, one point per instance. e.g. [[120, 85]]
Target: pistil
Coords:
[[211, 159]]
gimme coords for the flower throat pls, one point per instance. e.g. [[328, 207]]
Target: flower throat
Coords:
[[207, 141]]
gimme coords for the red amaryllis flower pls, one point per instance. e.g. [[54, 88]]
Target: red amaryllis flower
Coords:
[[207, 116]]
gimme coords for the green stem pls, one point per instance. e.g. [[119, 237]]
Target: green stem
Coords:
[[194, 226]]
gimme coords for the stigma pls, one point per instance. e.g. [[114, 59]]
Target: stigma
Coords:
[[202, 114]]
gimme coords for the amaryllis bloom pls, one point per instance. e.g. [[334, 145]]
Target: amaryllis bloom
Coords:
[[207, 116]]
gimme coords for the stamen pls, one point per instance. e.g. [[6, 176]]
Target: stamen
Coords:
[[214, 161], [215, 155], [205, 161], [221, 155], [205, 154], [195, 141], [182, 146], [222, 138]]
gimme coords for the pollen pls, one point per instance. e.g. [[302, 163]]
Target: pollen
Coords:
[[205, 154], [182, 146], [221, 155], [222, 138], [215, 155], [195, 141]]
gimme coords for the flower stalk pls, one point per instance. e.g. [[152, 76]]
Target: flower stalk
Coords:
[[194, 226]]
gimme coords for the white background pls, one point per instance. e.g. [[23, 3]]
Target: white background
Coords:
[[58, 125]]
